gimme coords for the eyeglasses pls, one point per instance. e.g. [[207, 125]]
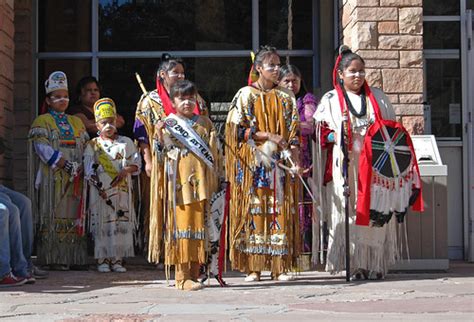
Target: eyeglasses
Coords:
[[173, 74], [55, 99], [356, 74], [271, 67]]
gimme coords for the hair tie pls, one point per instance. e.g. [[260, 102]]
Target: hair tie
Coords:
[[165, 57]]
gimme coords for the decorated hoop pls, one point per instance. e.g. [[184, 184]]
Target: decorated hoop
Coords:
[[389, 180]]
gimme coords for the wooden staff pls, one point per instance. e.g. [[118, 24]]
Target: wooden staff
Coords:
[[345, 174]]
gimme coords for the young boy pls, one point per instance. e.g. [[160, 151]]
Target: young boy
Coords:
[[109, 162], [188, 155]]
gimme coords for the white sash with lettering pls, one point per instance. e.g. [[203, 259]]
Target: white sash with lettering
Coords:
[[185, 134]]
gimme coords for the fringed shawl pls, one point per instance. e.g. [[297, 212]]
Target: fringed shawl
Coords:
[[149, 112]]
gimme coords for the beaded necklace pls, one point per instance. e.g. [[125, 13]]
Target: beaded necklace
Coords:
[[66, 132], [363, 103]]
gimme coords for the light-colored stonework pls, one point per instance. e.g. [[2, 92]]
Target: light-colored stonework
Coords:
[[411, 58], [388, 35], [388, 27]]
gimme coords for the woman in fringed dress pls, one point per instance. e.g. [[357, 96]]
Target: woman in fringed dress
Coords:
[[262, 135]]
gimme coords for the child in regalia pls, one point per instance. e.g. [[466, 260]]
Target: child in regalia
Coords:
[[110, 160], [189, 160], [56, 145]]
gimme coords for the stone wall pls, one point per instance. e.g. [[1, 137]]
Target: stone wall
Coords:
[[388, 35], [23, 97], [7, 51]]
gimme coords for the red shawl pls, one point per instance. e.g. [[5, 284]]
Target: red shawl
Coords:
[[365, 160]]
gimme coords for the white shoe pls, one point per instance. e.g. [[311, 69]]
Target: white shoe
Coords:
[[286, 277], [252, 277], [103, 268], [118, 268]]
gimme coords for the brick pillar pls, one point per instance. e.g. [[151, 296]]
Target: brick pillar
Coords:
[[7, 49], [24, 109], [388, 35]]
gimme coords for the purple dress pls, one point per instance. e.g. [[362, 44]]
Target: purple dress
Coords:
[[306, 108]]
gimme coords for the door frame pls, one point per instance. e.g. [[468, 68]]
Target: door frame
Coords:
[[467, 63], [466, 54]]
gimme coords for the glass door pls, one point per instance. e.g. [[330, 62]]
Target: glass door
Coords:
[[444, 101]]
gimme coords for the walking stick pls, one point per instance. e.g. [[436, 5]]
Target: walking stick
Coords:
[[140, 83], [287, 155], [345, 174]]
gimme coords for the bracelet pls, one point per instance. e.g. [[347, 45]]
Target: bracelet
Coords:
[[71, 168], [331, 137]]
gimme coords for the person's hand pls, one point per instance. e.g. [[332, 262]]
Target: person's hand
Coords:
[[298, 170], [61, 163], [307, 171], [159, 127], [103, 194], [148, 168], [278, 139]]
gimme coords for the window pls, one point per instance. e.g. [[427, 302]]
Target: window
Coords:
[[217, 79], [441, 35], [442, 42], [175, 25], [64, 25], [113, 39], [443, 78], [441, 7], [274, 23]]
